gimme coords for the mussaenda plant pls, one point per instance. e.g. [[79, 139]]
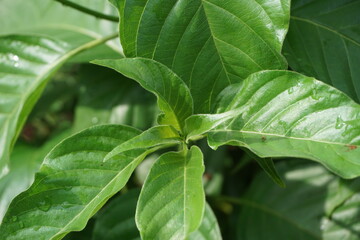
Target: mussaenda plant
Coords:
[[217, 71]]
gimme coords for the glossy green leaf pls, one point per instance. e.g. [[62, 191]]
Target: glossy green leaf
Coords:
[[72, 184], [208, 43], [173, 95], [209, 228], [26, 64], [297, 212], [106, 97], [324, 42], [25, 162], [154, 137], [172, 200], [117, 220], [285, 114]]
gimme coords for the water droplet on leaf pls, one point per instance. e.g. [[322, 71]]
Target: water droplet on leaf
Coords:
[[339, 123], [315, 94], [94, 120], [44, 206], [291, 90], [15, 58], [14, 218]]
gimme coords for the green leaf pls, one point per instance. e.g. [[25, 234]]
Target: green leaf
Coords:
[[295, 212], [342, 190], [157, 136], [208, 43], [52, 19], [344, 222], [25, 162], [72, 184], [106, 97], [285, 114], [26, 64], [117, 219], [173, 95], [267, 164], [324, 42], [172, 200], [209, 228]]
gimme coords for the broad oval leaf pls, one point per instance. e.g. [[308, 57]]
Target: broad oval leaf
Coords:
[[25, 161], [285, 114], [117, 221], [208, 43], [153, 137], [26, 64], [324, 42], [72, 184], [173, 95], [285, 213], [172, 200], [298, 212]]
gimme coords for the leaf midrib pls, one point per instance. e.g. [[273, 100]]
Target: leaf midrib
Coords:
[[289, 137], [61, 231]]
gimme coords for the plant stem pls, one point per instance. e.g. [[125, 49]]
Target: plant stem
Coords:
[[88, 11]]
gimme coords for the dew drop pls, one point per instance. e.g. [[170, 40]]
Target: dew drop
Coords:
[[315, 94], [14, 218], [291, 90], [15, 58], [21, 224], [44, 206], [339, 123], [94, 120]]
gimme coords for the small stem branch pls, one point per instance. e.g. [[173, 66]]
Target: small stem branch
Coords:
[[88, 11]]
